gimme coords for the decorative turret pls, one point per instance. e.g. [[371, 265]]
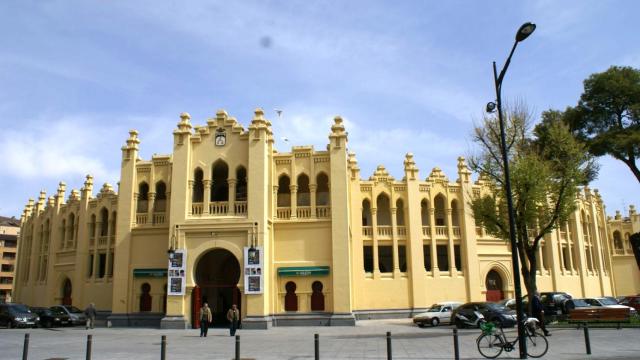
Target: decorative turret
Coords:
[[352, 163], [464, 174], [381, 175], [106, 190], [28, 209], [40, 203], [632, 210], [437, 176], [618, 215], [130, 151], [410, 169], [74, 196], [50, 201], [87, 189], [338, 136], [260, 127], [62, 187]]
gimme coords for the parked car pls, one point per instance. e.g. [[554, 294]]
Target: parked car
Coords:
[[572, 304], [473, 313], [609, 303], [439, 313], [17, 315], [76, 315], [633, 301], [50, 318], [554, 302]]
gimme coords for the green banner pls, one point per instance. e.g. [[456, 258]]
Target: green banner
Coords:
[[304, 271], [149, 272]]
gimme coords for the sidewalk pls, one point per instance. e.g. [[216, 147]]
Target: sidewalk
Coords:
[[364, 341]]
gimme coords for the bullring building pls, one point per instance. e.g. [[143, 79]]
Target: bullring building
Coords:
[[293, 237]]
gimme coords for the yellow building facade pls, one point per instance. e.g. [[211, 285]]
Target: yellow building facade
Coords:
[[625, 266], [292, 238]]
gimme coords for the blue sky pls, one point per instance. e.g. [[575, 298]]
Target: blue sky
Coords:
[[407, 76]]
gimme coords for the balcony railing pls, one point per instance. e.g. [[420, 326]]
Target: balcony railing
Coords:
[[441, 231], [219, 208], [367, 231], [303, 212], [402, 231], [456, 231], [323, 212], [426, 231], [619, 251], [196, 209], [385, 231], [92, 241], [102, 240], [141, 219], [241, 208], [283, 213], [563, 235], [159, 218]]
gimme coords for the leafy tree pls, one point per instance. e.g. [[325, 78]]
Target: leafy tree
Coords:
[[547, 167], [607, 117]]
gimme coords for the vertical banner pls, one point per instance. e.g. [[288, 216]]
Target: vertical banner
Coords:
[[253, 267], [177, 273]]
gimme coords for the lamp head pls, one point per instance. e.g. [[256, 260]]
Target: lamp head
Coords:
[[171, 253], [491, 107], [525, 30]]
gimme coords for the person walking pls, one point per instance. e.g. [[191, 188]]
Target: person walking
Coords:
[[538, 312], [205, 319], [233, 315], [90, 313]]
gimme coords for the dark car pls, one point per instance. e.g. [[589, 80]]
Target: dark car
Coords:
[[50, 318], [467, 315], [632, 301], [554, 303], [76, 315], [571, 304], [17, 315]]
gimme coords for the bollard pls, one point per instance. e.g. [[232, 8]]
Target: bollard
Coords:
[[25, 349], [163, 348], [237, 347], [316, 340], [389, 352], [89, 340], [587, 343], [456, 349]]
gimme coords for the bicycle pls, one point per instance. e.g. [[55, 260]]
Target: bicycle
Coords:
[[491, 344]]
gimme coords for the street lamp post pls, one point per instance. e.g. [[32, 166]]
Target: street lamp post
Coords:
[[525, 30]]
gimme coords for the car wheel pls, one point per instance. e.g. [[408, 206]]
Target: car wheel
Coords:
[[459, 324], [435, 322]]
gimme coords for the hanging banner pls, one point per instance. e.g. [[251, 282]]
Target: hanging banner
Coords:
[[253, 265], [177, 273]]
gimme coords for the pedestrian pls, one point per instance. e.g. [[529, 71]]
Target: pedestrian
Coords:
[[205, 319], [90, 313], [538, 312], [233, 315]]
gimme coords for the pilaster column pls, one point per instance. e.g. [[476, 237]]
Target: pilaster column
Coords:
[[135, 206], [96, 236], [374, 235], [434, 254], [207, 196], [232, 196], [394, 238], [190, 199], [109, 235], [312, 191], [569, 243], [452, 263], [274, 203], [294, 201], [150, 210]]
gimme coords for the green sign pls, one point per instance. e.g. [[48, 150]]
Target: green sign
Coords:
[[149, 272], [304, 271]]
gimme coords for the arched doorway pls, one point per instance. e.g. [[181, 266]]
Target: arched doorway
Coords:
[[66, 292], [494, 286], [217, 276]]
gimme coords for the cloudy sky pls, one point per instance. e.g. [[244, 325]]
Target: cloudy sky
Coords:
[[407, 76]]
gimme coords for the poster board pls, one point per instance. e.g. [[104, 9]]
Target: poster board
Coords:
[[253, 270], [177, 279]]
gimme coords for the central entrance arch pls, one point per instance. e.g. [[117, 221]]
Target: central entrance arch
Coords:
[[217, 276], [494, 286]]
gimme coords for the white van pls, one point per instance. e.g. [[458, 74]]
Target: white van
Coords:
[[439, 313]]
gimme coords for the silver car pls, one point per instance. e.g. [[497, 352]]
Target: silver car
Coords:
[[76, 315], [436, 314]]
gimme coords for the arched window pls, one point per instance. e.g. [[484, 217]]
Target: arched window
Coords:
[[160, 204], [284, 193], [399, 212], [290, 298], [317, 297], [241, 185], [424, 212], [63, 231], [143, 197], [303, 194], [440, 211], [145, 297], [617, 240], [219, 184], [366, 213], [455, 213], [66, 292], [104, 222], [198, 186], [113, 223], [72, 227], [322, 191], [384, 210]]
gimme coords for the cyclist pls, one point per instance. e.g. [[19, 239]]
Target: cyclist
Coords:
[[538, 312]]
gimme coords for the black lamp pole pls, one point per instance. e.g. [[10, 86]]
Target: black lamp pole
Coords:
[[525, 30]]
